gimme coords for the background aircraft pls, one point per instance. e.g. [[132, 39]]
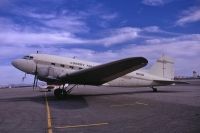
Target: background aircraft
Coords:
[[59, 71]]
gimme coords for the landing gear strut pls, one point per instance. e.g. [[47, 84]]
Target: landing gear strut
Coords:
[[154, 89], [62, 93]]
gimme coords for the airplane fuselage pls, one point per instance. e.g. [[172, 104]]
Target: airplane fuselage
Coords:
[[50, 67]]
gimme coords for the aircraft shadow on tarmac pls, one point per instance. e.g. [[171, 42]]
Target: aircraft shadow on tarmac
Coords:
[[132, 92], [75, 100], [69, 102]]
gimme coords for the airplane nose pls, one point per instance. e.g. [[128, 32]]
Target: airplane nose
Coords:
[[24, 65], [16, 63]]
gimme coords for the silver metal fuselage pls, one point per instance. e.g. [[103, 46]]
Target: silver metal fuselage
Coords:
[[52, 67]]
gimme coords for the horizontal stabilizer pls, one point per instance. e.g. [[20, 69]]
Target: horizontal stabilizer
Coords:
[[168, 82]]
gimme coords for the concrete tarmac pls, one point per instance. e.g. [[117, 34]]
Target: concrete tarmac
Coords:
[[89, 109]]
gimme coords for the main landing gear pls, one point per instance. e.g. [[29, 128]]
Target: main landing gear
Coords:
[[61, 93], [154, 89]]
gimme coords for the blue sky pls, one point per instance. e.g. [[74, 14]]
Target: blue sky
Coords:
[[100, 31]]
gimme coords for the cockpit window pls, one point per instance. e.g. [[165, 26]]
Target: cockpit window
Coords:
[[28, 57], [25, 57]]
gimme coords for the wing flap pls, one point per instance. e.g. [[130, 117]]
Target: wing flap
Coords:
[[101, 74]]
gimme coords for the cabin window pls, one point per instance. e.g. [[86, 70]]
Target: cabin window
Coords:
[[25, 57], [71, 67], [53, 64], [80, 68], [62, 65]]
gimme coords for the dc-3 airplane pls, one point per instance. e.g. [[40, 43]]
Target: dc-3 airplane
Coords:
[[59, 71]]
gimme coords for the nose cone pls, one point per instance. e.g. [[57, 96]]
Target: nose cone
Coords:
[[26, 66], [16, 63]]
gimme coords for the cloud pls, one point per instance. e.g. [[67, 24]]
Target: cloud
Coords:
[[59, 30], [150, 49], [109, 16], [4, 3], [40, 16], [89, 33], [65, 21], [189, 16], [6, 24], [155, 2], [23, 38], [70, 24], [15, 34], [18, 34], [152, 29], [184, 49], [176, 46], [119, 35], [62, 28]]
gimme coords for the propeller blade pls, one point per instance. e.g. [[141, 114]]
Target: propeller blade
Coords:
[[23, 78], [34, 82], [35, 78]]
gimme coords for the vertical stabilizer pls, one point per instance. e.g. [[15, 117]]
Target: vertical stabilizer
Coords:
[[164, 67]]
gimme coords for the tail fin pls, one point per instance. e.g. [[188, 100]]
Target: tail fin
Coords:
[[164, 67]]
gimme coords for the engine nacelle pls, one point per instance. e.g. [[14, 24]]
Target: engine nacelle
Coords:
[[51, 72], [43, 71]]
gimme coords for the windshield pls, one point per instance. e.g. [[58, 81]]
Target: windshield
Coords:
[[28, 57]]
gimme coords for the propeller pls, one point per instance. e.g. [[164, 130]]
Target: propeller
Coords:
[[35, 78], [35, 82], [23, 78]]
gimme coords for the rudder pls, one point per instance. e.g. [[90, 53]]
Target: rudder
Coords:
[[164, 67]]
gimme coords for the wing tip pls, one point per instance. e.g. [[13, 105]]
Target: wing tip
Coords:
[[141, 60]]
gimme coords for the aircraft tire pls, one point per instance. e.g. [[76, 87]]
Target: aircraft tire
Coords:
[[155, 90], [60, 93]]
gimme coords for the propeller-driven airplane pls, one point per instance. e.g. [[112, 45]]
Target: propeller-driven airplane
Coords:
[[59, 71]]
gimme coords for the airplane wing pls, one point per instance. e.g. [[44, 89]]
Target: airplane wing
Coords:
[[101, 74], [168, 82]]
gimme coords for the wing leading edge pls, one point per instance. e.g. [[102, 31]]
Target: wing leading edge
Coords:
[[101, 74]]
